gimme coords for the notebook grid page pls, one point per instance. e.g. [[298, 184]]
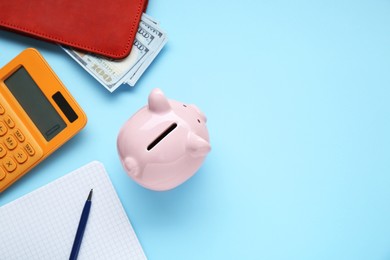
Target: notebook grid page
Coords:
[[43, 224]]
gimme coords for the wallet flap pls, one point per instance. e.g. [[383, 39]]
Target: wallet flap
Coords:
[[103, 27]]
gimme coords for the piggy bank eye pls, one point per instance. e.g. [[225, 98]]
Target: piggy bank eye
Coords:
[[184, 105]]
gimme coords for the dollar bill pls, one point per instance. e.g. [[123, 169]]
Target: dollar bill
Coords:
[[111, 73], [147, 17], [160, 40], [145, 64], [150, 39]]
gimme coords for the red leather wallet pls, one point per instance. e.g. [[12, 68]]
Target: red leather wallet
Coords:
[[103, 27]]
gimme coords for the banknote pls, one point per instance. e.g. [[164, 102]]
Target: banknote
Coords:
[[150, 39], [147, 17], [110, 73], [145, 64], [160, 39]]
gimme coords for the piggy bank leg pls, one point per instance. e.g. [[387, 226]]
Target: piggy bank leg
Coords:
[[131, 166]]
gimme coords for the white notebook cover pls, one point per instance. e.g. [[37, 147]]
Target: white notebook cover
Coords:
[[43, 223]]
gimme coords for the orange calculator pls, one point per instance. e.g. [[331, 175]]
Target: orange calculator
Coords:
[[37, 115]]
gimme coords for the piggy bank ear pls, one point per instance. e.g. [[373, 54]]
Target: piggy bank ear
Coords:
[[131, 166], [157, 102], [197, 146]]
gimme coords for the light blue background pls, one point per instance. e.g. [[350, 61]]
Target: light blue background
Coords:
[[297, 99]]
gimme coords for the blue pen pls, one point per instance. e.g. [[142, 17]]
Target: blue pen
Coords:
[[81, 228]]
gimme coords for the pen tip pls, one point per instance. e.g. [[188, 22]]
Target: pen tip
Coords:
[[90, 195]]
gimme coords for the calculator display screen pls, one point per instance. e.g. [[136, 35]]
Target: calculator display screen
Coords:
[[35, 103]]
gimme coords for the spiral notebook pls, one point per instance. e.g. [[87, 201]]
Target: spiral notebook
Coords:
[[43, 223]]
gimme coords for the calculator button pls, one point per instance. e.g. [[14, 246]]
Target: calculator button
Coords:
[[29, 149], [3, 151], [9, 164], [10, 123], [19, 135], [20, 156], [3, 129], [10, 142], [2, 174], [2, 110]]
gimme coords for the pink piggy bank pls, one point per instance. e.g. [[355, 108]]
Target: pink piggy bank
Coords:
[[164, 143]]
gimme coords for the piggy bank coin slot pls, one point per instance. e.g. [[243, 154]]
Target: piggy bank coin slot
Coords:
[[161, 136]]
